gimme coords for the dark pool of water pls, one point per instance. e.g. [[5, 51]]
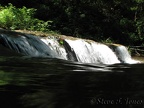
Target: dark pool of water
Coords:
[[52, 83]]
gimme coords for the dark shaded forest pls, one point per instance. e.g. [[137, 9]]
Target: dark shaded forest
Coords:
[[116, 20]]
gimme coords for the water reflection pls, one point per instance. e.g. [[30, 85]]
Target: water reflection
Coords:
[[53, 83]]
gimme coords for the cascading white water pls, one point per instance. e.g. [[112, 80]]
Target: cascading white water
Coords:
[[72, 49], [92, 52], [123, 54], [55, 46]]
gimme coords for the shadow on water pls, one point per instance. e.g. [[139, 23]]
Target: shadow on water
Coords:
[[52, 83]]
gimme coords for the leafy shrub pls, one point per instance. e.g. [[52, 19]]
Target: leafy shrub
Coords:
[[21, 18]]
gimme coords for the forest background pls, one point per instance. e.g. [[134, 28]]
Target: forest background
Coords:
[[119, 21]]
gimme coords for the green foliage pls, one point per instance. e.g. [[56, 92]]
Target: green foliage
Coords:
[[117, 20], [61, 42], [21, 18]]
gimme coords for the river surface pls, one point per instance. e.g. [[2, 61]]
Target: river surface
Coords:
[[53, 83]]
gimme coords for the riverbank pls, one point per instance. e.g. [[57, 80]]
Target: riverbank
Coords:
[[139, 58]]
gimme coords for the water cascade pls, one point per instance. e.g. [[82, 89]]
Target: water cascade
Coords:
[[122, 53], [55, 47], [27, 45], [92, 52], [80, 50]]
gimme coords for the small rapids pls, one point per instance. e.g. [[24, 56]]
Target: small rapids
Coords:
[[79, 50]]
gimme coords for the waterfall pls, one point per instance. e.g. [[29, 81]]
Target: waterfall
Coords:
[[79, 50], [55, 47], [27, 45], [92, 52], [122, 53]]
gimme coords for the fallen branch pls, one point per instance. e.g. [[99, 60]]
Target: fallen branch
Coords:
[[136, 49]]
